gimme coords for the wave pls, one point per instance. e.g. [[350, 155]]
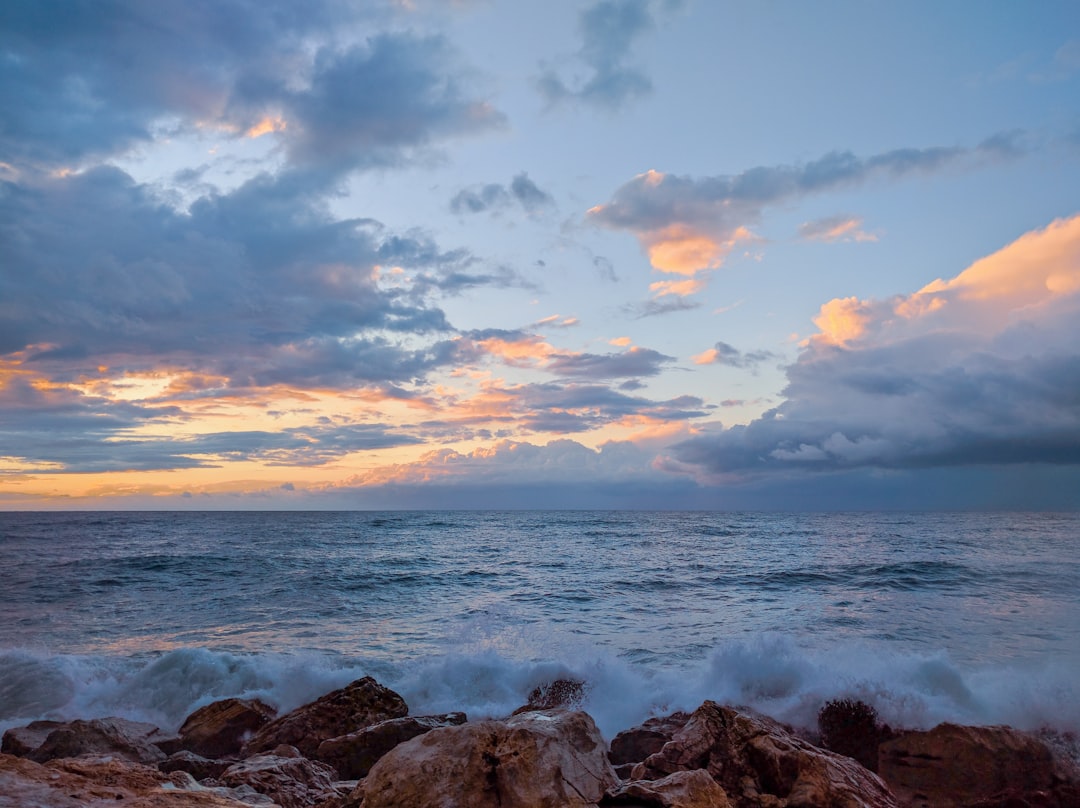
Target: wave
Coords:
[[489, 677]]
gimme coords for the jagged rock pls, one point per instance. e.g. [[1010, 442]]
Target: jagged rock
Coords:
[[95, 782], [635, 744], [758, 762], [952, 765], [353, 707], [196, 765], [569, 693], [292, 782], [687, 789], [131, 740], [21, 741], [354, 754], [221, 728], [547, 759], [851, 727]]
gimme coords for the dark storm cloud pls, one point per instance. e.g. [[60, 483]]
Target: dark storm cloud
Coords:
[[635, 362], [608, 30]]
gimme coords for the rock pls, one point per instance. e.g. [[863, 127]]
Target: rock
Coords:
[[96, 782], [130, 740], [197, 766], [355, 706], [956, 765], [687, 789], [548, 759], [851, 727], [635, 744], [569, 693], [21, 741], [354, 754], [758, 762], [292, 782], [221, 728]]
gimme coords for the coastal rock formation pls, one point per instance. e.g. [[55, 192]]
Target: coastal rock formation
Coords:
[[42, 741], [569, 693], [291, 780], [758, 762], [354, 754], [633, 745], [221, 728], [952, 765], [546, 759], [686, 789], [353, 707], [97, 782], [197, 766]]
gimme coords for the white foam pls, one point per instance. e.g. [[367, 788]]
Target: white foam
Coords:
[[770, 673]]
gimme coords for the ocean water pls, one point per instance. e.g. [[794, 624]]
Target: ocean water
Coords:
[[966, 617]]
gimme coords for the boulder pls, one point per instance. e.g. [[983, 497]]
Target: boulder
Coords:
[[569, 693], [687, 789], [197, 766], [354, 754], [96, 782], [544, 759], [21, 741], [291, 781], [758, 762], [220, 729], [952, 765], [635, 744], [42, 741], [353, 707]]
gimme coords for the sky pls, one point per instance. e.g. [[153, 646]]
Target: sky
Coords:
[[502, 254]]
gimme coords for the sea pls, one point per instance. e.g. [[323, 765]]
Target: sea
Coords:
[[965, 617]]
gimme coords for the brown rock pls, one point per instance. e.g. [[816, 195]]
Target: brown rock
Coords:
[[758, 762], [196, 765], [355, 706], [21, 741], [130, 740], [635, 744], [221, 728], [97, 782], [354, 754], [955, 765], [548, 759], [569, 693], [292, 782], [688, 789]]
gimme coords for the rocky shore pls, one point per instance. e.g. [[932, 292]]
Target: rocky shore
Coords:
[[358, 747]]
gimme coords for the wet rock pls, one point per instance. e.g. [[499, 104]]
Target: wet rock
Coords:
[[197, 766], [220, 729], [569, 693], [952, 765], [90, 782], [851, 727], [292, 782], [354, 754], [544, 759], [687, 789], [635, 744], [353, 707], [21, 741], [46, 740], [758, 762]]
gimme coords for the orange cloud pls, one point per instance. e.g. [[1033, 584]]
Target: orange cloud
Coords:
[[621, 342], [266, 126], [524, 352], [842, 320], [706, 358], [690, 286]]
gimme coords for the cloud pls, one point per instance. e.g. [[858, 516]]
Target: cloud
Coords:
[[981, 370], [835, 228], [724, 354], [689, 226], [631, 362], [89, 83], [492, 198], [608, 29]]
